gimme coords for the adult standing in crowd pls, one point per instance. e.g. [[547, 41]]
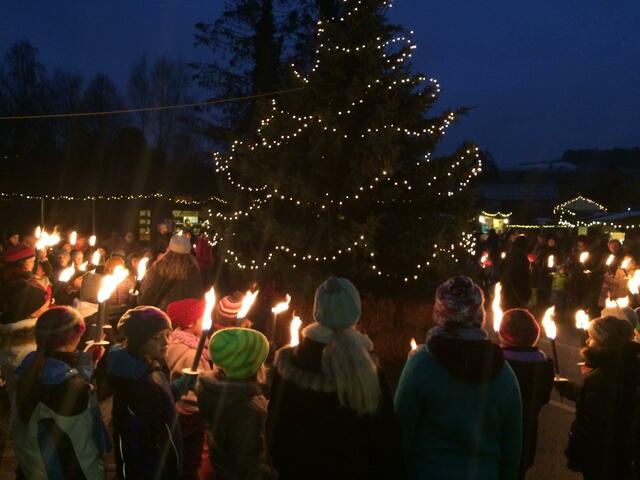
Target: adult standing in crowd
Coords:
[[22, 301], [604, 437], [519, 333], [173, 277], [516, 291], [331, 413], [458, 401]]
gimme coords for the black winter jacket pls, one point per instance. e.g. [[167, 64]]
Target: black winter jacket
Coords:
[[535, 378], [312, 436], [602, 440]]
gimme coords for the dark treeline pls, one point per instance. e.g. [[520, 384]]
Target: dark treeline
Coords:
[[141, 152]]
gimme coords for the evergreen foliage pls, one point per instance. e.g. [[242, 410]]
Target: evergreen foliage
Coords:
[[340, 177]]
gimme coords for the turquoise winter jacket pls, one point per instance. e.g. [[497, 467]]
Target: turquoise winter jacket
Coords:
[[460, 410]]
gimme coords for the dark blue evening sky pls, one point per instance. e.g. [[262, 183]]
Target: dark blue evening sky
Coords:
[[544, 76]]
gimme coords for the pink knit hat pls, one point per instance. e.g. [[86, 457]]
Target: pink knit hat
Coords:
[[226, 310], [519, 328]]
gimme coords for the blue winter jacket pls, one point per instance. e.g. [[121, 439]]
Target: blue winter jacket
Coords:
[[459, 407], [65, 435], [145, 430]]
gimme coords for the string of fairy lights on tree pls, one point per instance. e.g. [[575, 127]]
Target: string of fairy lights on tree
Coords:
[[86, 198], [263, 193]]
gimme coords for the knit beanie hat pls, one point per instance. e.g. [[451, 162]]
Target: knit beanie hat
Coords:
[[57, 327], [623, 313], [519, 328], [180, 244], [239, 351], [185, 313], [226, 310], [17, 253], [140, 324], [610, 332], [337, 303], [459, 302]]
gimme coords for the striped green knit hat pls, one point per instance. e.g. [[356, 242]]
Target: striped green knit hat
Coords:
[[239, 351]]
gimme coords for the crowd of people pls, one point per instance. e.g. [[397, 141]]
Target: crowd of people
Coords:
[[248, 407], [558, 268]]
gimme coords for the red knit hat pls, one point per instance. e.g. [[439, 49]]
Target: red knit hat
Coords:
[[185, 313], [224, 315], [17, 253], [519, 328], [57, 327]]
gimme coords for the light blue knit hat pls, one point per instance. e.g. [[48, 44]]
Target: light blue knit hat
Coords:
[[337, 303]]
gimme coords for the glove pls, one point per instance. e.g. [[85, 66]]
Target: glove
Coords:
[[185, 383]]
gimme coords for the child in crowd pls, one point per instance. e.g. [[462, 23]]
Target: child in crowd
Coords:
[[519, 333], [145, 428], [56, 427], [231, 401], [186, 317], [558, 287]]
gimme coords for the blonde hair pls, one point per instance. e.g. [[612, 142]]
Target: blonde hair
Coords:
[[176, 266], [346, 358]]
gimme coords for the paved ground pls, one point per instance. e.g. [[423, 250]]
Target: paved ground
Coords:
[[555, 418]]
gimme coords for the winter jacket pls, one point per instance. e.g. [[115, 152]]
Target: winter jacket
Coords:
[[515, 281], [182, 350], [159, 291], [204, 253], [65, 435], [236, 413], [535, 374], [145, 431], [20, 296], [600, 440], [312, 436], [460, 411]]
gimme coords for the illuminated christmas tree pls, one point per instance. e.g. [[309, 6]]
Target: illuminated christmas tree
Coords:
[[340, 177]]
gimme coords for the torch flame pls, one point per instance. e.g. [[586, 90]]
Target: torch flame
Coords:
[[413, 344], [95, 258], [247, 301], [142, 268], [38, 231], [66, 274], [623, 302], [294, 331], [210, 302], [53, 239], [551, 261], [503, 255], [43, 240], [582, 320], [634, 283], [92, 241], [619, 302], [495, 306], [610, 260], [625, 263], [282, 306], [110, 282], [548, 324], [73, 237], [584, 256]]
